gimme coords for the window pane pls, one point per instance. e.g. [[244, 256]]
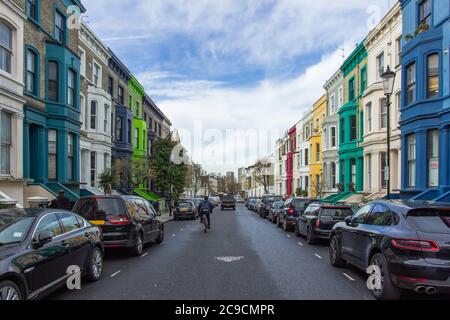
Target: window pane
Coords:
[[5, 47], [383, 164], [52, 148], [53, 81], [411, 83], [383, 113], [433, 75], [93, 115], [412, 161], [69, 222], [433, 158], [48, 223]]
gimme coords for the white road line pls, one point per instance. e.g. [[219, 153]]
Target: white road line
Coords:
[[301, 244], [173, 235], [348, 276], [144, 255], [114, 274], [280, 230], [288, 236], [317, 256], [181, 229]]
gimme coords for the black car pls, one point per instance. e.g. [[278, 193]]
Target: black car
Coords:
[[408, 242], [185, 209], [266, 204], [228, 202], [293, 207], [274, 211], [126, 221], [37, 247], [318, 219]]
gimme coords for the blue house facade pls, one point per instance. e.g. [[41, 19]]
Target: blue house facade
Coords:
[[425, 100], [52, 108]]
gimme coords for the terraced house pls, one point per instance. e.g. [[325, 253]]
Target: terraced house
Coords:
[[96, 107], [52, 107], [315, 142], [12, 17], [139, 134], [425, 99], [383, 45], [350, 121]]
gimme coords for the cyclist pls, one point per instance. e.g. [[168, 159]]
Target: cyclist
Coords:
[[205, 208]]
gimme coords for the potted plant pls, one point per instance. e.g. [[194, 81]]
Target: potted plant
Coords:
[[340, 187]]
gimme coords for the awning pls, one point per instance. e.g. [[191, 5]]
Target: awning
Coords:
[[148, 195]]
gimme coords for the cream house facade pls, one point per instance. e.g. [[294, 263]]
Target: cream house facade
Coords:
[[12, 19], [383, 45]]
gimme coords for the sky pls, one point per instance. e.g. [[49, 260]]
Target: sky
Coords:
[[233, 75]]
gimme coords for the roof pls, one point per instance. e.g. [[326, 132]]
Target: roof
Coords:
[[413, 204]]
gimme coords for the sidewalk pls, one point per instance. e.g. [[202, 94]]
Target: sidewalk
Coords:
[[165, 217]]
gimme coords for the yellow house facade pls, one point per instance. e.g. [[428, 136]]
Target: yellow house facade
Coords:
[[316, 166]]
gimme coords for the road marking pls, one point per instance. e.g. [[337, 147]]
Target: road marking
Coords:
[[348, 276], [173, 235], [114, 274], [317, 256], [280, 230], [144, 255], [181, 229], [229, 259], [301, 244], [288, 236]]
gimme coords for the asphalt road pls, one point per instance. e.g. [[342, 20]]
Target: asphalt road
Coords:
[[243, 257]]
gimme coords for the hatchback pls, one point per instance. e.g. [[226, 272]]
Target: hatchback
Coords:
[[185, 209], [126, 221], [406, 243], [41, 248], [287, 217]]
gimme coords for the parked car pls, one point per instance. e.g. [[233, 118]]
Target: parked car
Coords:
[[239, 199], [214, 200], [318, 219], [408, 241], [126, 221], [293, 207], [185, 209], [247, 201], [252, 204], [277, 206], [266, 204], [38, 245], [228, 202]]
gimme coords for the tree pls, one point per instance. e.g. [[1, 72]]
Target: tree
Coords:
[[108, 180], [194, 177], [168, 176], [132, 173], [262, 174]]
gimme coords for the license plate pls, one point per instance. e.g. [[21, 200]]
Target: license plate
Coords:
[[97, 222], [183, 210]]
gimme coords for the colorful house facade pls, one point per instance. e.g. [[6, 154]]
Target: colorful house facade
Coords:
[[52, 108], [351, 163], [315, 141], [425, 100]]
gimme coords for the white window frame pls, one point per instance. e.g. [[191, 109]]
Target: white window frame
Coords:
[[99, 77], [332, 103], [82, 61], [333, 141]]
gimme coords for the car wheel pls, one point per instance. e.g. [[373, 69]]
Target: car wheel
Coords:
[[387, 290], [310, 237], [334, 253], [95, 265], [160, 238], [139, 245], [9, 291]]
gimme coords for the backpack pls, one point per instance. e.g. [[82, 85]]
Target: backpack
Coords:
[[204, 207]]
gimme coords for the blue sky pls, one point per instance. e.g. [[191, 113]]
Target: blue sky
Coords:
[[233, 63]]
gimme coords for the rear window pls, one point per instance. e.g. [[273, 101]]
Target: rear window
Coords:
[[300, 204], [271, 199], [99, 209], [278, 204], [185, 204], [339, 213], [429, 220]]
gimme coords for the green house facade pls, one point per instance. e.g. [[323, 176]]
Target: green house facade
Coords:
[[139, 131], [351, 120]]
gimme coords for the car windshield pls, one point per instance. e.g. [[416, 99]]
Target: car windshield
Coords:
[[228, 198], [93, 209], [278, 204], [300, 204], [14, 229], [430, 220], [337, 213], [185, 204]]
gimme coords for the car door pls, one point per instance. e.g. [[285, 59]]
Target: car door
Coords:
[[302, 220], [145, 219], [77, 241], [155, 221], [46, 264], [376, 223], [349, 236]]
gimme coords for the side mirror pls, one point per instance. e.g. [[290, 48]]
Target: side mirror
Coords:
[[349, 221], [45, 237]]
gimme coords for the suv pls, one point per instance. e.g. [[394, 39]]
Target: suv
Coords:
[[228, 202], [318, 219], [293, 207], [126, 221], [266, 204]]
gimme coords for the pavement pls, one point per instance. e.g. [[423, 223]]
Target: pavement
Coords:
[[165, 217], [243, 257]]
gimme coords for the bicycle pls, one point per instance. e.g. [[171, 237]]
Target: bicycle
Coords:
[[204, 220]]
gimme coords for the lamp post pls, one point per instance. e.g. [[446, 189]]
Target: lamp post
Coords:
[[388, 87]]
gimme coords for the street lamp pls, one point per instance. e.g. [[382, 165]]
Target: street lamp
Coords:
[[388, 87]]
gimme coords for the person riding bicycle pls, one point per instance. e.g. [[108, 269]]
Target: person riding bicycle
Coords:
[[205, 208]]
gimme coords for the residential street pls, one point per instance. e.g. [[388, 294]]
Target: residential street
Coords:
[[274, 265]]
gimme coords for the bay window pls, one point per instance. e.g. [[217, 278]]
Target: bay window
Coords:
[[411, 83], [433, 75], [53, 81], [5, 142], [71, 88], [5, 47]]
